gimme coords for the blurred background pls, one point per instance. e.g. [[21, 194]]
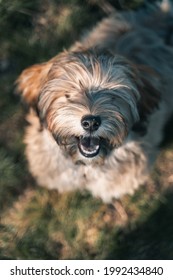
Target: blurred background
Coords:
[[39, 224]]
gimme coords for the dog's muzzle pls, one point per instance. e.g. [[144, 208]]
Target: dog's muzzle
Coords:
[[89, 146]]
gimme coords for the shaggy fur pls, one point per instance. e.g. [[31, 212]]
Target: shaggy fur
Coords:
[[97, 111]]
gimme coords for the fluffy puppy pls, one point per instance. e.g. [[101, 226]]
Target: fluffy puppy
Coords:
[[97, 111]]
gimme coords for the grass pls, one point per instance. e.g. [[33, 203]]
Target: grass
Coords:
[[39, 224]]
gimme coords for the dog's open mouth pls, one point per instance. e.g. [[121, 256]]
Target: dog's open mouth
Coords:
[[89, 146]]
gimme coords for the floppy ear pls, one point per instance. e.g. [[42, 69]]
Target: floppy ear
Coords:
[[150, 95], [31, 81], [149, 85]]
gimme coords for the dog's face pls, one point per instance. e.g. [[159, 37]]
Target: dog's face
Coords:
[[88, 102]]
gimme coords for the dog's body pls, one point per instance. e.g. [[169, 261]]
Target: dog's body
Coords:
[[98, 110]]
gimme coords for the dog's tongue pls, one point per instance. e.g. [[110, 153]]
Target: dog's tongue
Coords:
[[89, 146]]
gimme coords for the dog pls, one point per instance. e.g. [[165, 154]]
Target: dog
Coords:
[[98, 110]]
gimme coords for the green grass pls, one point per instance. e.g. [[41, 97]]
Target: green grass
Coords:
[[39, 224]]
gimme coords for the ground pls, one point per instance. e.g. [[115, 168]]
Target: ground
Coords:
[[39, 224]]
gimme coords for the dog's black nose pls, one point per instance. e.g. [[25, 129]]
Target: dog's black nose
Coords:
[[90, 123]]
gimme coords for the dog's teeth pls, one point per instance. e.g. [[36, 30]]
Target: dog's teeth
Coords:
[[89, 147], [90, 152]]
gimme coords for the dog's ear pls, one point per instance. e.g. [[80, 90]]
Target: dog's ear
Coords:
[[148, 84], [31, 81], [150, 95]]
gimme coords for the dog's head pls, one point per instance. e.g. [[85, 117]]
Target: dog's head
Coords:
[[88, 101]]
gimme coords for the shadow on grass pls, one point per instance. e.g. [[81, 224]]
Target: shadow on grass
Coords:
[[152, 239]]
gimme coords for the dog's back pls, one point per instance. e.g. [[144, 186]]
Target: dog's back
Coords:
[[145, 37], [129, 32]]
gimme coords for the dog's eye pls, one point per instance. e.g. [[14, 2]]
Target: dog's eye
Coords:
[[67, 95], [56, 138]]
